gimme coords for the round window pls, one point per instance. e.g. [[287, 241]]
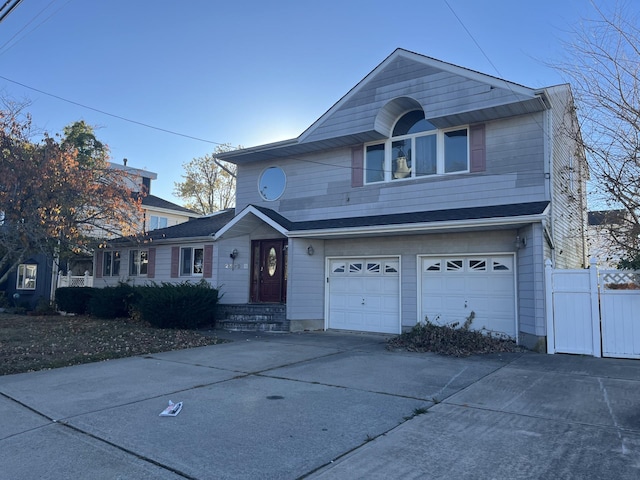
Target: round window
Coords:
[[271, 184]]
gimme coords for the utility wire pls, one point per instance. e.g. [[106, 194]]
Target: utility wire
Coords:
[[111, 114]]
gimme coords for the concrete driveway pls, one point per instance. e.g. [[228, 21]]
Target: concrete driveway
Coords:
[[323, 405]]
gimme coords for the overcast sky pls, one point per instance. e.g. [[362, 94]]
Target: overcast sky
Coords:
[[247, 72]]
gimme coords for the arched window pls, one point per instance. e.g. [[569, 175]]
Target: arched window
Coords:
[[417, 148]]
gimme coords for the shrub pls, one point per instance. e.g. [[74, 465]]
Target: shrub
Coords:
[[183, 305], [112, 302], [74, 299]]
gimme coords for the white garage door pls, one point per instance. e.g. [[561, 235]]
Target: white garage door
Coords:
[[453, 287], [364, 294]]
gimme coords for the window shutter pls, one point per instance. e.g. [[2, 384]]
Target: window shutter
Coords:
[[175, 262], [357, 166], [151, 263], [99, 262], [207, 268], [478, 148]]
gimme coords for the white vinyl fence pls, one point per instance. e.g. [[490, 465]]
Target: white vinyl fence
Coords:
[[593, 312]]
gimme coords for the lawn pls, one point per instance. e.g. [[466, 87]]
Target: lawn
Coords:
[[29, 343]]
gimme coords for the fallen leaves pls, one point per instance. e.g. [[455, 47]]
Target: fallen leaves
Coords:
[[29, 343]]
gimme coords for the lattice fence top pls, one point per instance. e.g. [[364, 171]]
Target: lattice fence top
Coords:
[[620, 279]]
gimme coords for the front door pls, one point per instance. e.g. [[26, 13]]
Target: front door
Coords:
[[269, 275]]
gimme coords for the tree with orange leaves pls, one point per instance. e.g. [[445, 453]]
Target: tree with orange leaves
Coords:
[[52, 200]]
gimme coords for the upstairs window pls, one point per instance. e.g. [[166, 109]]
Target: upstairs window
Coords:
[[417, 149], [156, 222]]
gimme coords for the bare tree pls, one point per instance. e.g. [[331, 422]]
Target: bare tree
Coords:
[[603, 66], [209, 185]]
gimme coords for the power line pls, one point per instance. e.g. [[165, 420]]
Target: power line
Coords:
[[7, 8], [119, 117]]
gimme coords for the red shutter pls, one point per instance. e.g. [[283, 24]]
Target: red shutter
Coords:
[[207, 269], [357, 166], [151, 265], [478, 148], [175, 262], [99, 262]]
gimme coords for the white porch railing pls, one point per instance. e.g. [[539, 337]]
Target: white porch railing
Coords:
[[69, 280]]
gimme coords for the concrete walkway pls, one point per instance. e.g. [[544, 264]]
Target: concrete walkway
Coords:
[[324, 405]]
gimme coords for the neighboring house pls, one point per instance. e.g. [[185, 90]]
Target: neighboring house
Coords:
[[38, 277], [429, 191], [601, 245]]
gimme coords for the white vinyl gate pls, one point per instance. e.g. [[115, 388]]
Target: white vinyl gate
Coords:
[[592, 312]]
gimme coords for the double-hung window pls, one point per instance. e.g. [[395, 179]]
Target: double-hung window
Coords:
[[138, 262], [111, 265], [191, 261], [417, 149], [26, 277]]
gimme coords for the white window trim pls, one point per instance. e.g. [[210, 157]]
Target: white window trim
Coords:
[[112, 263], [191, 274], [440, 155], [24, 267], [139, 264]]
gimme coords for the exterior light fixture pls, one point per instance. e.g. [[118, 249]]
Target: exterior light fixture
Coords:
[[310, 250], [234, 254], [520, 242]]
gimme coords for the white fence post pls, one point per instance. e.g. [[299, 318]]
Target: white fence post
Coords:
[[595, 308], [548, 301]]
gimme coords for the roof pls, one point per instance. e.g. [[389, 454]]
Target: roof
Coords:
[[606, 217], [475, 218], [153, 201], [449, 215], [321, 134], [201, 227]]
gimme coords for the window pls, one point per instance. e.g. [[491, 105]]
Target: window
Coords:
[[26, 277], [272, 183], [156, 222], [111, 265], [138, 262], [416, 149], [191, 261]]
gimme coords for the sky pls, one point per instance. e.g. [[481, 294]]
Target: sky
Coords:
[[163, 82]]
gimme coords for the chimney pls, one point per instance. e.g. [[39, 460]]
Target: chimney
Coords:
[[124, 160]]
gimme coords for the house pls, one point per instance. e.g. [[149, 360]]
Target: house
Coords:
[[39, 276], [428, 191], [602, 246]]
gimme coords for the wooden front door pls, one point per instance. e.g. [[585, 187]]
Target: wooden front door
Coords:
[[269, 271]]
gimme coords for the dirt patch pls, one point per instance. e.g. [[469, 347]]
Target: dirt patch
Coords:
[[29, 343]]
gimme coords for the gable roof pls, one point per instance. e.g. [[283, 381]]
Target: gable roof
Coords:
[[448, 94]]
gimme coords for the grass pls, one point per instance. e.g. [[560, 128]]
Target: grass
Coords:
[[30, 343]]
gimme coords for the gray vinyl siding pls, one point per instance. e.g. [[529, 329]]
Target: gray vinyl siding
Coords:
[[306, 281], [439, 92], [318, 186], [569, 210], [162, 268], [531, 312], [233, 277]]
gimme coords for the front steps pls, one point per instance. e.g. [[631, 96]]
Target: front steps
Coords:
[[252, 317]]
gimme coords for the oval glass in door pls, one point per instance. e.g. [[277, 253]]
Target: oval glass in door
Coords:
[[272, 262]]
